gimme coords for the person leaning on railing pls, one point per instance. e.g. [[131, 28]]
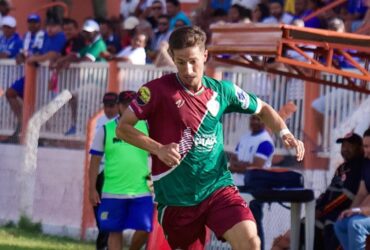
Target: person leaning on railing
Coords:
[[91, 52], [52, 46]]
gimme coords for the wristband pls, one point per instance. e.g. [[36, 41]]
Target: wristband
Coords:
[[283, 132], [356, 210]]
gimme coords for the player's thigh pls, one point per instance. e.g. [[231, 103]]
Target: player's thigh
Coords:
[[227, 210], [140, 216], [184, 227]]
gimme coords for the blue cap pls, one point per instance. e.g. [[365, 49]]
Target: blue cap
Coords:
[[34, 18]]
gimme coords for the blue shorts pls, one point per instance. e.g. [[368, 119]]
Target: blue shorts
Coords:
[[116, 215], [18, 86]]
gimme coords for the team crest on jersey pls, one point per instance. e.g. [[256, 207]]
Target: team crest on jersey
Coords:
[[242, 96], [143, 96]]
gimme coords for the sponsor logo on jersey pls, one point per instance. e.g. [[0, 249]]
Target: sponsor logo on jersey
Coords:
[[205, 142], [179, 103], [143, 96], [117, 140], [242, 96]]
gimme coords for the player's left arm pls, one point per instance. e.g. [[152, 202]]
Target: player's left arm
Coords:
[[272, 120]]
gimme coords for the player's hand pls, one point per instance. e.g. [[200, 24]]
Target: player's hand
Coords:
[[94, 197], [169, 154], [290, 142]]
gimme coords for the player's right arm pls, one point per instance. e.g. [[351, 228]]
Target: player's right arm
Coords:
[[93, 175], [126, 131]]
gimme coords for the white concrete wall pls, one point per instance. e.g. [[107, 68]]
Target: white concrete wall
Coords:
[[58, 188]]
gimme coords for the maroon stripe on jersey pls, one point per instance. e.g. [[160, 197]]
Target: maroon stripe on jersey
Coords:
[[173, 114]]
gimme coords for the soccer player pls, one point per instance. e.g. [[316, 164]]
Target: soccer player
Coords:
[[192, 184]]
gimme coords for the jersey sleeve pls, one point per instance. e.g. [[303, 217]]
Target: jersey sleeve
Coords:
[[145, 102], [264, 150], [241, 101], [97, 147], [94, 52]]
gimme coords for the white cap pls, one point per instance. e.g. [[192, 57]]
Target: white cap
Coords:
[[130, 23], [9, 21], [91, 26]]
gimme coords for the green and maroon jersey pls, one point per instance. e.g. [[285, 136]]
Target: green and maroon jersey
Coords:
[[193, 120]]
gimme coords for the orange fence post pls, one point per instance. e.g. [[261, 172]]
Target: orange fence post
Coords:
[[87, 211], [29, 98], [311, 130], [113, 85]]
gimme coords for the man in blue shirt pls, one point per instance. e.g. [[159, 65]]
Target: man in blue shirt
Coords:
[[51, 49], [33, 40], [174, 11], [10, 42]]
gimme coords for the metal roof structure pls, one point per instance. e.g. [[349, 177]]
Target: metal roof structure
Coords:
[[267, 48]]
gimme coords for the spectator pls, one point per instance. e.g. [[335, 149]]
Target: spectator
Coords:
[[175, 13], [248, 4], [10, 42], [337, 197], [135, 53], [110, 106], [224, 5], [254, 150], [155, 12], [302, 10], [218, 16], [179, 23], [4, 9], [51, 49], [260, 13], [161, 35], [33, 39], [128, 8], [353, 225], [111, 40], [75, 42], [129, 27], [319, 105], [126, 201], [92, 52], [238, 13], [277, 14]]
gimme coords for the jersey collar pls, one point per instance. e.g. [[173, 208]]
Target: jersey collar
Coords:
[[200, 91]]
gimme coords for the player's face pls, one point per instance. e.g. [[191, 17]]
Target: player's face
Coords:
[[366, 142], [190, 65]]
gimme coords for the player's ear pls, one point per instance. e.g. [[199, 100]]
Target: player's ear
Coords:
[[205, 55]]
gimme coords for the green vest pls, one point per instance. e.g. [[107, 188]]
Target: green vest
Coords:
[[126, 166]]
